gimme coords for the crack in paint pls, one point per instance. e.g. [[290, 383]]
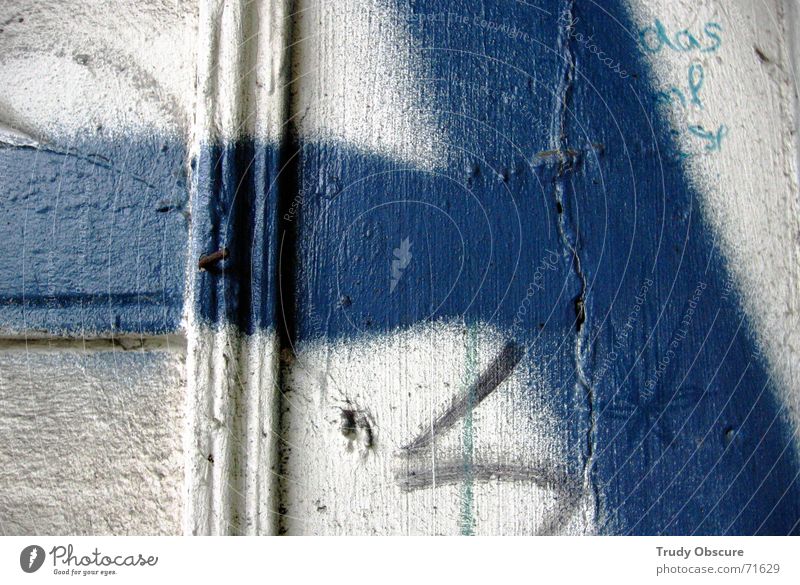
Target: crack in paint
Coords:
[[568, 160]]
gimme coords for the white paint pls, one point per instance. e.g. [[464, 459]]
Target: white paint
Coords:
[[354, 80], [358, 79], [242, 70], [400, 382], [749, 189], [14, 137], [230, 440], [78, 67], [90, 438]]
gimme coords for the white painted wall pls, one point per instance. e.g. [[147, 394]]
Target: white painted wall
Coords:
[[70, 68], [91, 433], [91, 437]]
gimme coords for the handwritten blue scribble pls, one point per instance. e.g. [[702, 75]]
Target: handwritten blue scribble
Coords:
[[713, 139], [696, 78], [655, 37]]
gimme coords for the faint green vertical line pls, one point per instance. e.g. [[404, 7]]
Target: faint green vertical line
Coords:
[[467, 435]]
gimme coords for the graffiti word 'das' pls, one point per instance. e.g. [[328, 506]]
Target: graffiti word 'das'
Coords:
[[656, 38]]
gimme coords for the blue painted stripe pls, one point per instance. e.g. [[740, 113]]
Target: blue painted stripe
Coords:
[[237, 210], [94, 237]]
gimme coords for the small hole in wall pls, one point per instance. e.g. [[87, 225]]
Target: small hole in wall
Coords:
[[349, 428], [728, 435], [357, 428]]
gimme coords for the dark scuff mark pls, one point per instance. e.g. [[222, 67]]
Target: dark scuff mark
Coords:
[[167, 206], [357, 428], [128, 343], [349, 428], [452, 471], [580, 313], [559, 154], [728, 435], [494, 375]]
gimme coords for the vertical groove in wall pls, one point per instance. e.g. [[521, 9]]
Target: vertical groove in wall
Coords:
[[240, 116], [289, 209]]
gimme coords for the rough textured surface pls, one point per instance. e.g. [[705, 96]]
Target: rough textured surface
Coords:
[[230, 438], [233, 347], [531, 266], [94, 114], [359, 79], [72, 68], [90, 438], [572, 217], [353, 411]]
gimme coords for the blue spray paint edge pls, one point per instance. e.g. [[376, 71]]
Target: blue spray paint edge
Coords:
[[614, 160], [237, 209], [95, 236]]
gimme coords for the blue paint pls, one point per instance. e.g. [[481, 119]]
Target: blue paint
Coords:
[[556, 160], [545, 158], [236, 208], [94, 237], [661, 458]]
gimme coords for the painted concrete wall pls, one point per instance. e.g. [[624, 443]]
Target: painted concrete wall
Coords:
[[91, 437], [95, 110], [519, 268], [587, 202]]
